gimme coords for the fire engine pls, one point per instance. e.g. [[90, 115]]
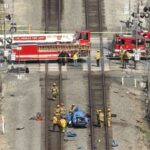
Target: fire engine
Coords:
[[146, 35], [128, 43], [37, 47]]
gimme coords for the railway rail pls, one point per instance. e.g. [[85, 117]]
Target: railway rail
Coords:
[[53, 139], [98, 99], [52, 15], [93, 15]]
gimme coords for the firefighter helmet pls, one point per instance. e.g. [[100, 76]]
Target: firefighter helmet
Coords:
[[58, 106], [109, 109], [98, 110], [54, 84]]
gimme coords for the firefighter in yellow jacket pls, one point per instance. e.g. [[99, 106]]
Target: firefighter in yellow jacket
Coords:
[[54, 91], [97, 57], [121, 55], [54, 121], [62, 109], [109, 117], [100, 117], [72, 108], [57, 111], [63, 124], [75, 58]]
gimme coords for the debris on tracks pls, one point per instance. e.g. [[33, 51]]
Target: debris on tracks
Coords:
[[20, 128], [18, 70]]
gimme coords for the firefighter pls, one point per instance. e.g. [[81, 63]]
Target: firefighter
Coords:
[[54, 121], [121, 55], [75, 58], [62, 109], [97, 57], [72, 108], [62, 124], [125, 59], [27, 70], [57, 111], [136, 56], [100, 117], [109, 117], [54, 91], [62, 57]]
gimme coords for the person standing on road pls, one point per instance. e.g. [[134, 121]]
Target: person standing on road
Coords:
[[121, 55], [125, 59], [136, 56], [75, 58], [62, 58], [97, 58]]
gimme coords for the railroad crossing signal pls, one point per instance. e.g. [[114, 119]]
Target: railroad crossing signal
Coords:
[[13, 28]]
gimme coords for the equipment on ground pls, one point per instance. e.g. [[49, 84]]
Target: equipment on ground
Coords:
[[18, 70]]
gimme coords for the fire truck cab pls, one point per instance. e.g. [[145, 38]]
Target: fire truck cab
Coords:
[[146, 36]]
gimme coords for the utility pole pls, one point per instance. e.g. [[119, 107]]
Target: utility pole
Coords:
[[4, 27], [129, 9]]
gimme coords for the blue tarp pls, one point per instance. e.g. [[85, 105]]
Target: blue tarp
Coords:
[[77, 118]]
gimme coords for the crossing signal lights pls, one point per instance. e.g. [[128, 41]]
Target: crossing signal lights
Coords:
[[145, 9], [8, 17], [133, 14], [142, 15], [13, 28]]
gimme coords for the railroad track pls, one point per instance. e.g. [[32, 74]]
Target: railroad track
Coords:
[[98, 99], [94, 15], [52, 15], [53, 140]]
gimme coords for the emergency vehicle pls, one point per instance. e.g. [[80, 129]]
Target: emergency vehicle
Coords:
[[146, 35], [37, 47], [128, 43]]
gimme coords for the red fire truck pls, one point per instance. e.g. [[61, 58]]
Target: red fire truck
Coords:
[[128, 43], [35, 47], [146, 35]]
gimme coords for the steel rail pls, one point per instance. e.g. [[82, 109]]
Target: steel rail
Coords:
[[99, 30], [59, 12], [46, 113], [45, 15], [60, 101], [51, 6], [86, 16], [91, 15], [103, 77], [90, 103], [57, 135]]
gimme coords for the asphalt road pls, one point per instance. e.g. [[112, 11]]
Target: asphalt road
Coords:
[[22, 101]]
